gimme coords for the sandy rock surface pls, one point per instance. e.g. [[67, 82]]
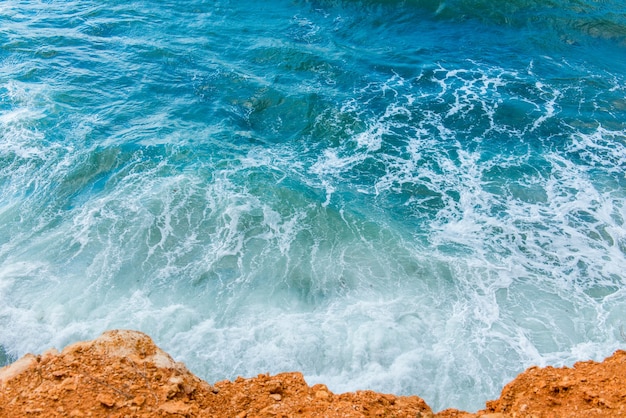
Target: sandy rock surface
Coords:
[[124, 374], [589, 389]]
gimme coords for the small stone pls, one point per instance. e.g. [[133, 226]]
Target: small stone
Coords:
[[188, 388], [275, 386], [172, 391], [176, 380], [106, 400], [68, 384], [321, 391], [322, 394], [176, 407], [276, 396]]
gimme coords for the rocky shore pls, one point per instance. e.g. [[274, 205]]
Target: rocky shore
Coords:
[[124, 374]]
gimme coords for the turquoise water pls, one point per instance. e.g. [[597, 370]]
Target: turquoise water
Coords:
[[417, 197]]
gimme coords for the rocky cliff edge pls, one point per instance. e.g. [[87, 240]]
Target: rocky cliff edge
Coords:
[[124, 374]]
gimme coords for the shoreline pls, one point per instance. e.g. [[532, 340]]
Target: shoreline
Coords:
[[123, 373]]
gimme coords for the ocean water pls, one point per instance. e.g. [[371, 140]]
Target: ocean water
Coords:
[[416, 197]]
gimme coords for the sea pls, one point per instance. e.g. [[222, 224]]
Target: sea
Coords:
[[418, 197]]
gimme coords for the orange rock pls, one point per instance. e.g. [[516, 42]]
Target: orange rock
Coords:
[[589, 389], [106, 400], [175, 408], [123, 373]]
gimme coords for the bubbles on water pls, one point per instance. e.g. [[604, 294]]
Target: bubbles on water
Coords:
[[516, 216]]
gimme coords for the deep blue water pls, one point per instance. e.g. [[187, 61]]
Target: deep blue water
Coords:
[[418, 197]]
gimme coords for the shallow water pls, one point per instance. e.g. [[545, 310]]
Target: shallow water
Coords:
[[417, 197]]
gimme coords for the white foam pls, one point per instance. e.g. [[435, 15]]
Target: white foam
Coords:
[[402, 250]]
